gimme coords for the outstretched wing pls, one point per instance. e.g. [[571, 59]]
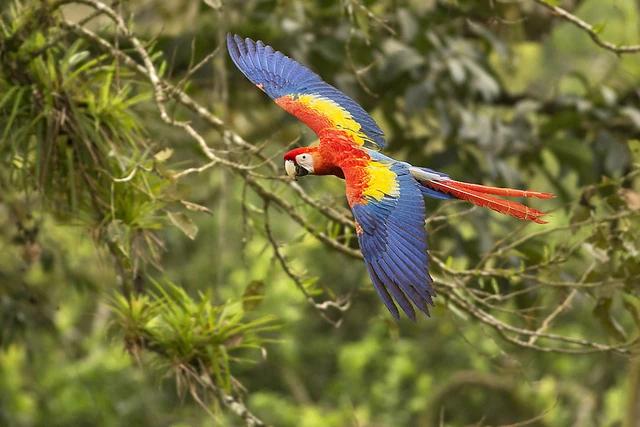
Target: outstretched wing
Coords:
[[388, 207], [302, 92]]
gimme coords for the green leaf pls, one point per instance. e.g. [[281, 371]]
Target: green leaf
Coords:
[[214, 4], [633, 114], [634, 148], [457, 71], [163, 155], [599, 27], [184, 223], [253, 295], [78, 57], [632, 305], [603, 312]]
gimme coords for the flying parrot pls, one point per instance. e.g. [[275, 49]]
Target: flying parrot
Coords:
[[386, 196]]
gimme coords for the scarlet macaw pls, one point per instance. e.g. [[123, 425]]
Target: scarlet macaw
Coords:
[[385, 195]]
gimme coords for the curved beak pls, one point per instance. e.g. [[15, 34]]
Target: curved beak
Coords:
[[294, 170], [290, 168]]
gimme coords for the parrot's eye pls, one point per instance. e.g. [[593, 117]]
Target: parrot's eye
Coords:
[[303, 158]]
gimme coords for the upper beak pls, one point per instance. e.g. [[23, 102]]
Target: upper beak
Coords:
[[290, 168], [294, 170]]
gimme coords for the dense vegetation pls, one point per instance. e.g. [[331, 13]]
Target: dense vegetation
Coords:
[[157, 268]]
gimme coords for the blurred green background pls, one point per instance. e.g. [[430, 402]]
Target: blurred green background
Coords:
[[125, 292]]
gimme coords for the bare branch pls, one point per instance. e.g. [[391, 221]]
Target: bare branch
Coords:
[[340, 306], [589, 29]]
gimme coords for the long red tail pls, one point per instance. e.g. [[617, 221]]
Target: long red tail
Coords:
[[483, 196]]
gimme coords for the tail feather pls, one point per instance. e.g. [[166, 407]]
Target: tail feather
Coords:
[[498, 191], [482, 196]]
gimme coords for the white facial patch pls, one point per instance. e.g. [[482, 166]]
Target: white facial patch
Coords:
[[305, 161]]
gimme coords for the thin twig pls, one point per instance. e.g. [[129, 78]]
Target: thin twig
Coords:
[[340, 306], [589, 29]]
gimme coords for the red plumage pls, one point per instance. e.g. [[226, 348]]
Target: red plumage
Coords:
[[499, 191], [481, 195]]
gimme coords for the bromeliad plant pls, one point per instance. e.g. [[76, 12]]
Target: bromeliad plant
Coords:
[[189, 336]]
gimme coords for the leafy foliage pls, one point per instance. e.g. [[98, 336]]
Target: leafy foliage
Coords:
[[192, 337]]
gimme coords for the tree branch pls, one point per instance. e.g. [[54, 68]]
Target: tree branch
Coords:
[[589, 29]]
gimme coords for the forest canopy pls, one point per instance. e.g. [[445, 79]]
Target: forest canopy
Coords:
[[157, 266]]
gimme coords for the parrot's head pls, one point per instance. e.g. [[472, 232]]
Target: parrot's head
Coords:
[[299, 162]]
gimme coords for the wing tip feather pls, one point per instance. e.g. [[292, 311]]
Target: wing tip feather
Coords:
[[277, 74]]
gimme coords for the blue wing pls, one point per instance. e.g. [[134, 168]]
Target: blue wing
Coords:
[[280, 76], [393, 241]]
